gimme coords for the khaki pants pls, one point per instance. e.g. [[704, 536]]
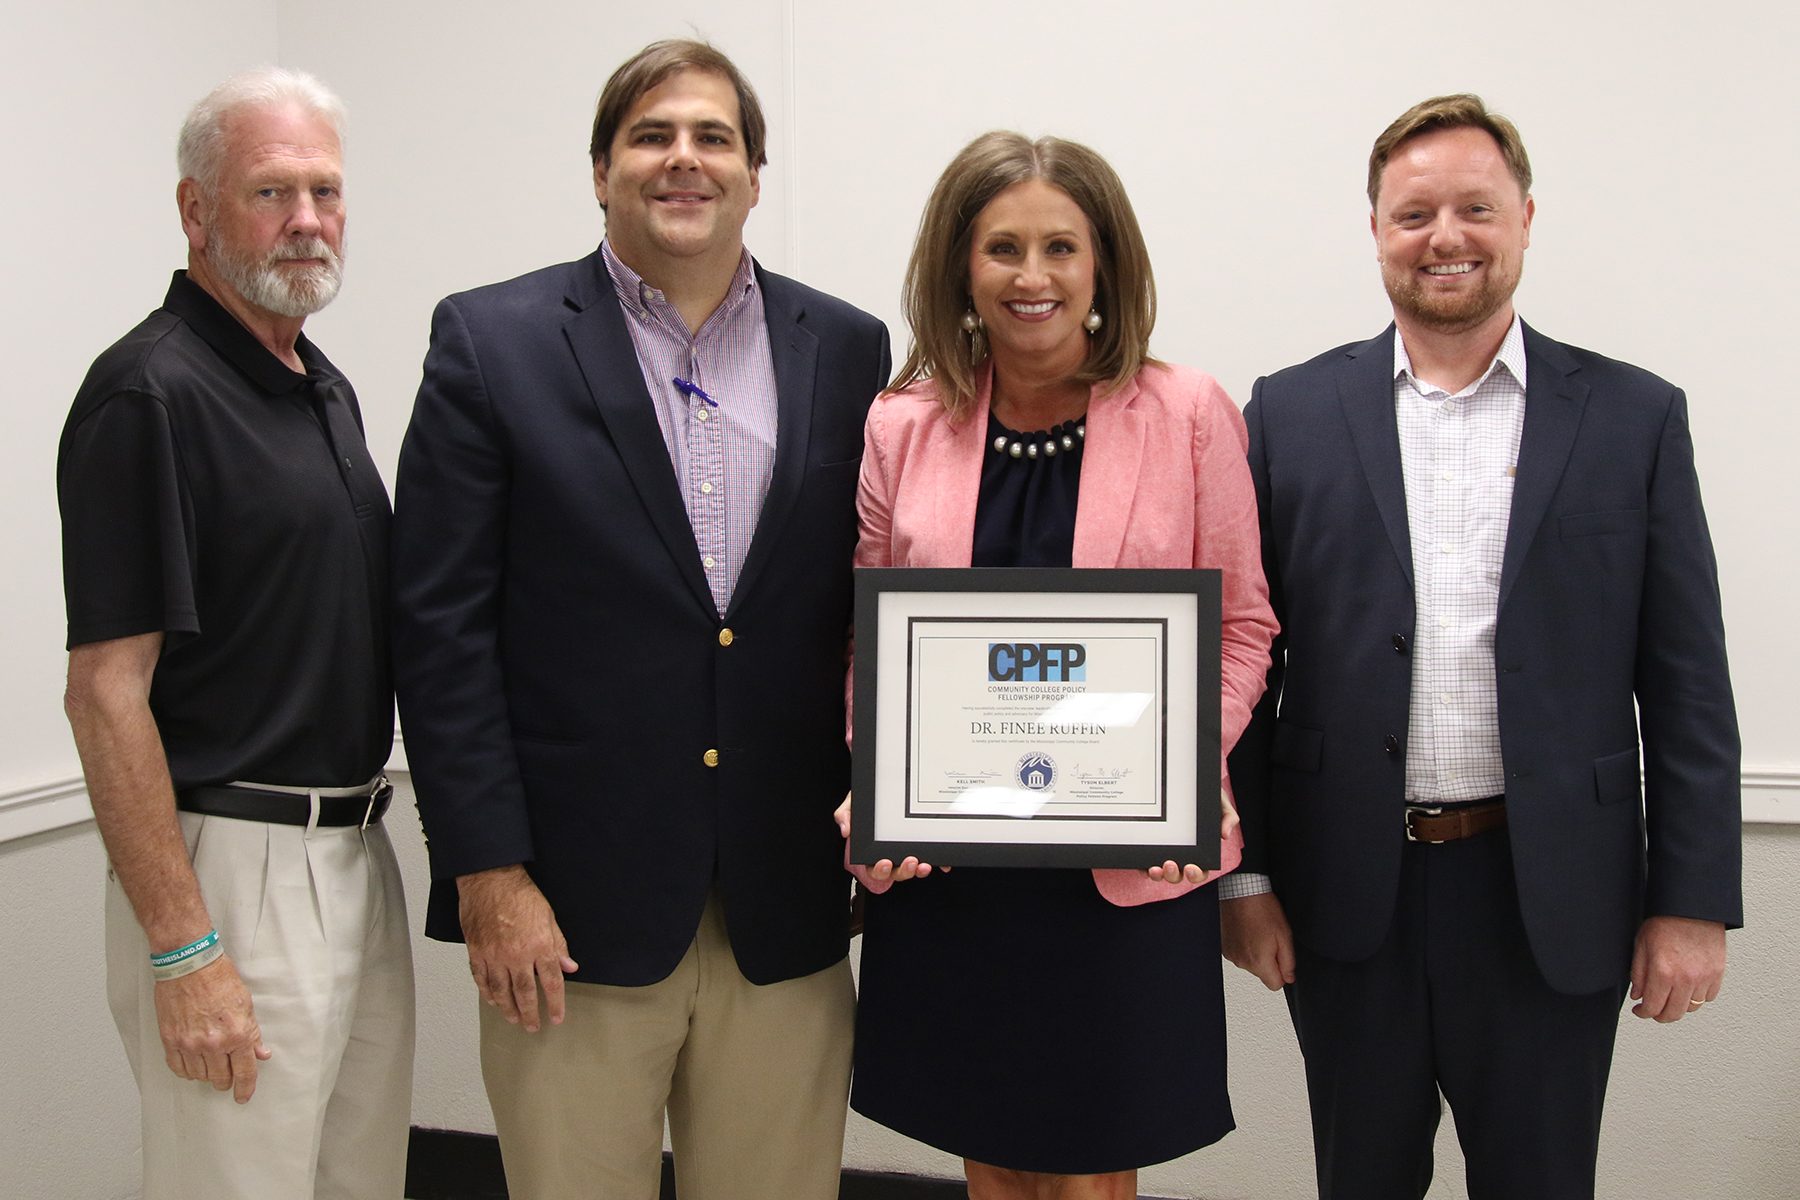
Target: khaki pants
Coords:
[[316, 925], [754, 1080]]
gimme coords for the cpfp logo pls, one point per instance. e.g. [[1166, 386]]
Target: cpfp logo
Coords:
[[1036, 662], [1037, 771]]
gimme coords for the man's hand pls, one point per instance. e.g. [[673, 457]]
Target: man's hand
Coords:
[[208, 1029], [204, 1018], [515, 945], [1676, 966], [884, 874], [1254, 935]]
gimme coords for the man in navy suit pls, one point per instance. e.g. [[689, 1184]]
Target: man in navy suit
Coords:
[[622, 545], [1496, 588]]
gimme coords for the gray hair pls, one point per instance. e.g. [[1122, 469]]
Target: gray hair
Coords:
[[200, 153]]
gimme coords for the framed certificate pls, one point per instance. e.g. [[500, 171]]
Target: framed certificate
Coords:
[[1027, 717]]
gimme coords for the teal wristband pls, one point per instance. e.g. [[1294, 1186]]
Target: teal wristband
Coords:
[[177, 957], [188, 965]]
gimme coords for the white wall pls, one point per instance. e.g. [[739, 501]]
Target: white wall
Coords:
[[1242, 132], [1663, 146], [93, 94]]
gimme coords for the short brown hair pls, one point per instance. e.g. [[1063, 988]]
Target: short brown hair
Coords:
[[654, 64], [936, 292], [1464, 110]]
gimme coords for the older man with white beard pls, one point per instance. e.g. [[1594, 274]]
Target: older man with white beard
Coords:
[[225, 568]]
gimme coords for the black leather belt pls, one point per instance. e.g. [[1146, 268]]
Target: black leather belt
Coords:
[[286, 808], [1435, 823]]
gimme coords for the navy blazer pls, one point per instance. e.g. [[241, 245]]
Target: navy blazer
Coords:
[[1608, 637], [562, 671]]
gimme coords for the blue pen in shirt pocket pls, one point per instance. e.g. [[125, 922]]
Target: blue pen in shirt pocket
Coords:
[[688, 388]]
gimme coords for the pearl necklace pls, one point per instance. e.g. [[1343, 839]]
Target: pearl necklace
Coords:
[[1017, 447]]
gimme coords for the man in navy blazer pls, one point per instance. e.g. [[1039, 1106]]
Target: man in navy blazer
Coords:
[[1496, 588], [622, 548]]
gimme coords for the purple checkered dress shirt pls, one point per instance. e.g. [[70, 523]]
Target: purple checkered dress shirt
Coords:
[[723, 451]]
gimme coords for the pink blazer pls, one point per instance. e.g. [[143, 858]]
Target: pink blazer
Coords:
[[1164, 483]]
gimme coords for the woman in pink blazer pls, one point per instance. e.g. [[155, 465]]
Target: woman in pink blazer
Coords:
[[1045, 1023]]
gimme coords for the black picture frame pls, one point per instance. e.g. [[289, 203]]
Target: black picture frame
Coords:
[[892, 608]]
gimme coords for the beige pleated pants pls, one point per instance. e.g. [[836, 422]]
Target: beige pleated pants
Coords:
[[755, 1081], [316, 925]]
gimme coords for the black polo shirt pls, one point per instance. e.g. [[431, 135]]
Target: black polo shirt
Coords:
[[212, 494]]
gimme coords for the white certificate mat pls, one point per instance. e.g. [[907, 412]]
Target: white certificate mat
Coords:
[[1037, 717]]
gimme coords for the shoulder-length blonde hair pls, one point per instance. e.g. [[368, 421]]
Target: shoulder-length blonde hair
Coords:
[[936, 292]]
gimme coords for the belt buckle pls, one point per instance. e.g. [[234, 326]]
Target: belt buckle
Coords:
[[375, 793], [1422, 810]]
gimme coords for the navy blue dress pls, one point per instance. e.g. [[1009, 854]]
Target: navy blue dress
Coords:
[[1015, 1016]]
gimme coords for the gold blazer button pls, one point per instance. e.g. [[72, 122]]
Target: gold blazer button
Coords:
[[726, 636], [710, 758]]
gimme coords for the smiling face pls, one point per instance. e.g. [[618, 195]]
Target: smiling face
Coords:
[[676, 184], [1031, 276], [1451, 226], [270, 232]]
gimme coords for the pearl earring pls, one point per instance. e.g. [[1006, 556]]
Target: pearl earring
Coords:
[[970, 320], [1092, 321]]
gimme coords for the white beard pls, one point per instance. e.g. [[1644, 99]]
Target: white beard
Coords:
[[284, 292]]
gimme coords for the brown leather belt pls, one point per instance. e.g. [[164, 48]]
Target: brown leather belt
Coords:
[[1435, 823]]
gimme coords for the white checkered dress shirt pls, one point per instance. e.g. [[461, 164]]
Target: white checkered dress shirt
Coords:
[[724, 455], [1458, 456]]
